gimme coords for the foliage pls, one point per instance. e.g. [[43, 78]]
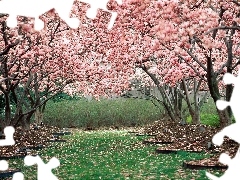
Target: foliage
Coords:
[[114, 112], [114, 155], [61, 96], [192, 43], [107, 112], [53, 60], [207, 119]]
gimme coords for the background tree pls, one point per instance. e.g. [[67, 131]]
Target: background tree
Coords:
[[37, 65], [136, 41], [192, 34]]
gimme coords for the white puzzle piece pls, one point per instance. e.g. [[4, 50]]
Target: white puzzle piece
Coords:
[[8, 141], [232, 173], [44, 170], [35, 8], [231, 131], [3, 165]]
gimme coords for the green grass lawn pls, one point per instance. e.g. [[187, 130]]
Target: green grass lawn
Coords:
[[113, 155]]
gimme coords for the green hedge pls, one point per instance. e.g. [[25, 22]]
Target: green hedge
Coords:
[[207, 119], [119, 112]]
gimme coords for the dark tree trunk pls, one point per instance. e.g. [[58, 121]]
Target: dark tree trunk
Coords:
[[7, 110], [194, 112], [229, 87], [214, 91]]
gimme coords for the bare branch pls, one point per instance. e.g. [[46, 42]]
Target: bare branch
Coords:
[[236, 2], [223, 28], [194, 69], [198, 85], [196, 59], [235, 65], [221, 69], [6, 50], [4, 33], [197, 5]]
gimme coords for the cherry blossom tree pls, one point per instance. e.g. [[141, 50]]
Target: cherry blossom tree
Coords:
[[37, 65], [136, 41], [183, 39], [200, 39]]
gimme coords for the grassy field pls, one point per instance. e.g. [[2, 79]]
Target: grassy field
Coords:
[[113, 154], [110, 155]]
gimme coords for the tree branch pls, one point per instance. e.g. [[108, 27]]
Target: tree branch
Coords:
[[6, 50], [223, 28], [196, 59]]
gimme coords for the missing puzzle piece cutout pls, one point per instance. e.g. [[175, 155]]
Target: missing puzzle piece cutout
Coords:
[[232, 172], [35, 8], [18, 176], [100, 4], [3, 165], [8, 141], [44, 170], [232, 130]]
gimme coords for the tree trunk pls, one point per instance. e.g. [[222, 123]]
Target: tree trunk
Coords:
[[38, 116], [172, 111], [195, 117], [27, 121], [7, 110], [223, 116], [169, 111], [194, 112], [214, 91], [25, 125], [229, 87], [177, 104], [180, 101], [165, 97]]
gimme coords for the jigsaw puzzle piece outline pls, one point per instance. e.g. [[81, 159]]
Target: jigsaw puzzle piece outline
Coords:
[[35, 8], [8, 141], [44, 170], [18, 176], [232, 130], [95, 5], [232, 170], [21, 8], [3, 165]]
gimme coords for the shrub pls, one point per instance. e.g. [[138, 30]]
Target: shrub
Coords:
[[207, 119], [95, 114]]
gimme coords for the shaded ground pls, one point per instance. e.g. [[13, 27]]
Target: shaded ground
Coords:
[[28, 141], [193, 138]]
